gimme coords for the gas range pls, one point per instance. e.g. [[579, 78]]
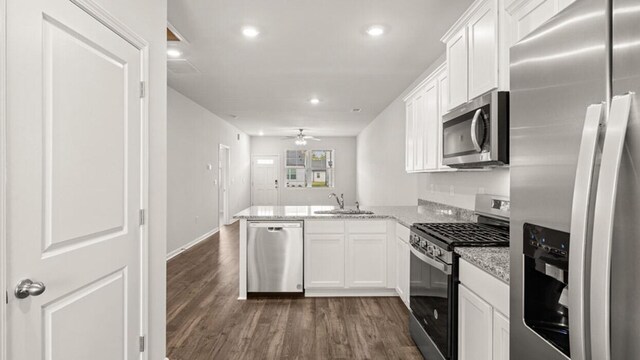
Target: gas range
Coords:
[[433, 294]]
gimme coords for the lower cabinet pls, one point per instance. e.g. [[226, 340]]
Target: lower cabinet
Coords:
[[500, 336], [475, 326], [367, 260], [483, 327], [403, 260], [346, 255], [324, 260]]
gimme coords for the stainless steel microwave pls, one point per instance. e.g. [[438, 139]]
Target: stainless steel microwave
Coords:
[[476, 134]]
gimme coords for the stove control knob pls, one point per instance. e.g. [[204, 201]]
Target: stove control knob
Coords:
[[437, 251], [430, 249], [423, 243]]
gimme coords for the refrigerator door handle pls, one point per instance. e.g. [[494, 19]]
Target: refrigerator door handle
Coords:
[[579, 230], [600, 287]]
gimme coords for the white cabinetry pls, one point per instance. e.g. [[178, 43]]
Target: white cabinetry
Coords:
[[403, 259], [353, 254], [483, 321], [526, 15], [500, 336], [476, 326], [457, 68], [424, 124], [324, 260], [476, 51], [367, 259], [483, 49]]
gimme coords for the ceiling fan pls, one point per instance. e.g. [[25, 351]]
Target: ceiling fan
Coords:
[[301, 138]]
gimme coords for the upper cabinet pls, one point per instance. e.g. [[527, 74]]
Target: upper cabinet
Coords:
[[424, 109], [457, 69], [526, 15], [476, 53], [483, 49]]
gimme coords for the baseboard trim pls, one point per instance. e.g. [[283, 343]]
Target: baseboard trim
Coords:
[[180, 250], [349, 292]]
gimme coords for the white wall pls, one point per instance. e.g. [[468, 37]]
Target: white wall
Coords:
[[382, 179], [194, 138], [345, 168]]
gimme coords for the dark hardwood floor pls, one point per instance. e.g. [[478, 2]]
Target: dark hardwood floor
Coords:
[[205, 320]]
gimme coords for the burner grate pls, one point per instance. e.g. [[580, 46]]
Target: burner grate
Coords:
[[466, 233]]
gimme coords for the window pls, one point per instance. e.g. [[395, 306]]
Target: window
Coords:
[[309, 168]]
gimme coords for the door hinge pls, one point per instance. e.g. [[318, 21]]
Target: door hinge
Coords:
[[142, 89], [141, 343], [142, 216]]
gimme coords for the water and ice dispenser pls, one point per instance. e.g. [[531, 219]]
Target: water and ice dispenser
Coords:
[[546, 281]]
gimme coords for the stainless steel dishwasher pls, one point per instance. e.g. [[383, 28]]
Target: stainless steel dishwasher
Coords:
[[274, 257]]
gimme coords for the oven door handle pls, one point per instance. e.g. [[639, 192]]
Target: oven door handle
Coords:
[[445, 268], [474, 130]]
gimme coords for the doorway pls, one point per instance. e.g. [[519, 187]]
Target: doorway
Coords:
[[224, 161], [265, 180]]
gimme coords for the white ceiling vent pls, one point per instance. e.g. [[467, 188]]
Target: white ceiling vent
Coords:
[[181, 66]]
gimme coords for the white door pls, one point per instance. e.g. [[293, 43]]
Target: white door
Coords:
[[74, 184], [500, 336], [324, 261], [431, 127], [457, 70], [264, 179], [475, 326], [483, 49], [367, 261], [223, 190], [409, 135]]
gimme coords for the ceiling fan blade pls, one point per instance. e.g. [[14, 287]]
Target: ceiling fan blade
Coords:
[[313, 138]]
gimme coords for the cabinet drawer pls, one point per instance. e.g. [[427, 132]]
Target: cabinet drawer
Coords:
[[367, 227], [324, 227], [485, 285]]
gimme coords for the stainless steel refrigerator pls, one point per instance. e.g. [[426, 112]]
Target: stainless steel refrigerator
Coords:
[[575, 185]]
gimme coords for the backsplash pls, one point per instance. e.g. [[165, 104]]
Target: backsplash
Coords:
[[459, 213]]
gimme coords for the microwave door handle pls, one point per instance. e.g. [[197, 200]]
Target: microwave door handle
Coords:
[[474, 130], [579, 227], [445, 268], [600, 287]]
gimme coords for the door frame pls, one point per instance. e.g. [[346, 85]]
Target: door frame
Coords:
[[225, 205], [106, 19], [3, 175], [278, 176]]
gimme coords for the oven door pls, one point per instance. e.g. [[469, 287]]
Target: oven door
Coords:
[[467, 138], [432, 300]]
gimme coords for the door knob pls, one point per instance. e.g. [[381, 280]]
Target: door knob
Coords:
[[26, 288]]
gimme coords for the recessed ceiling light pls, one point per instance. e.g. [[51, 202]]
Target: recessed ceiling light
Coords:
[[356, 110], [174, 53], [250, 31], [261, 133], [375, 30], [315, 101]]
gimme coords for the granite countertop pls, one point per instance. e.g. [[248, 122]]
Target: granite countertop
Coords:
[[494, 260], [405, 215]]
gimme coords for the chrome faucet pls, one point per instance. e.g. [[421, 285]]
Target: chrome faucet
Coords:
[[340, 199]]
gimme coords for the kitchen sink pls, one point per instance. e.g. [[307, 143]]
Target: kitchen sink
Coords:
[[344, 212]]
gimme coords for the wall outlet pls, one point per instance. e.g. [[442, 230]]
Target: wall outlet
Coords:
[[481, 190], [451, 190], [432, 188], [209, 167]]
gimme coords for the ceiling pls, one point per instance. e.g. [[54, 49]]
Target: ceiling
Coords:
[[305, 49]]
